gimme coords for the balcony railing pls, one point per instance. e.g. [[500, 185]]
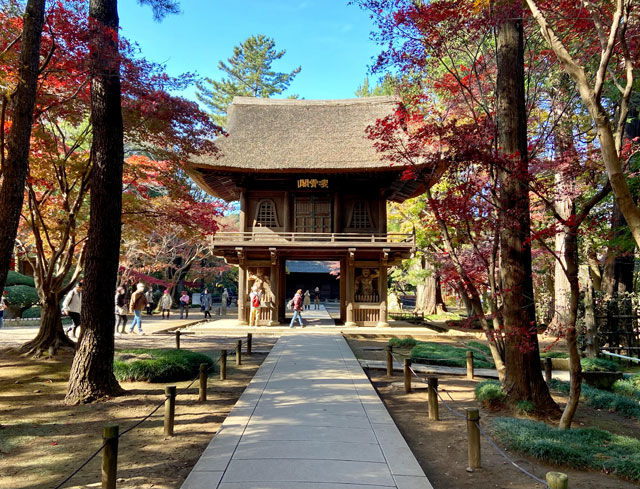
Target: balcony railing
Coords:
[[267, 238]]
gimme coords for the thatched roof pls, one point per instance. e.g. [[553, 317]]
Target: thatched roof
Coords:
[[293, 135]]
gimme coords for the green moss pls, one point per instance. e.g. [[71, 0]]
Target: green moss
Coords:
[[403, 342], [150, 365], [443, 354], [489, 393], [576, 448]]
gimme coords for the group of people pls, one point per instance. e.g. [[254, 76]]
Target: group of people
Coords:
[[299, 302], [306, 299]]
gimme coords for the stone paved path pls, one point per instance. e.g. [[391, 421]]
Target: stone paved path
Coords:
[[310, 419]]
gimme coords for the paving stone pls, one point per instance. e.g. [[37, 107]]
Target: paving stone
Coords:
[[316, 450]]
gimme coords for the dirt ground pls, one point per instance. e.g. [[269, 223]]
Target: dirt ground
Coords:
[[441, 446], [42, 440]]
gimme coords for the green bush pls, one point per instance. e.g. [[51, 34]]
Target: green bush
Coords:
[[576, 448], [443, 354], [150, 365], [402, 342], [554, 354], [525, 407], [599, 399], [599, 365], [476, 345], [32, 312], [22, 296], [629, 387], [15, 278], [489, 393]]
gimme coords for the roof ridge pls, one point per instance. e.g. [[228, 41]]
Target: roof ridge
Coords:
[[237, 100]]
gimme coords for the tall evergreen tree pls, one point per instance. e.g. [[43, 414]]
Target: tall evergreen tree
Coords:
[[249, 75]]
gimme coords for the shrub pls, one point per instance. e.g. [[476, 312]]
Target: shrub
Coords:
[[525, 407], [15, 278], [599, 365], [21, 296], [32, 312], [403, 342], [577, 448], [554, 354], [629, 387], [149, 365], [489, 393], [443, 354]]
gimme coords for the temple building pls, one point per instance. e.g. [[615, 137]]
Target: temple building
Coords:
[[311, 186]]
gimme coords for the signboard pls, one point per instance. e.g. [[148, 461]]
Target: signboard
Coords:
[[313, 183]]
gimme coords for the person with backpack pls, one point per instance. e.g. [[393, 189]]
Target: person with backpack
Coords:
[[254, 300], [71, 307], [137, 304], [297, 309], [121, 310], [184, 304]]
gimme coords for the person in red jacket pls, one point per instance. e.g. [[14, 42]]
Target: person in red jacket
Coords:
[[297, 309]]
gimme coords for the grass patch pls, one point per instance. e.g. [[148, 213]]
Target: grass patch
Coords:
[[525, 407], [629, 387], [577, 448], [599, 365], [402, 342], [554, 354], [481, 347], [599, 399], [149, 365], [489, 393], [443, 354]]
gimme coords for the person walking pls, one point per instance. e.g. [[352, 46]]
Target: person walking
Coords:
[[254, 301], [225, 301], [121, 310], [297, 309], [149, 296], [71, 307], [316, 298], [184, 305], [206, 301], [137, 304], [3, 306], [306, 300], [165, 303]]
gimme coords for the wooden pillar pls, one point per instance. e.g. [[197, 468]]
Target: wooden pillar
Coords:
[[337, 213], [382, 293], [382, 224], [350, 292], [242, 293], [343, 291], [243, 211], [274, 282], [281, 290], [287, 212]]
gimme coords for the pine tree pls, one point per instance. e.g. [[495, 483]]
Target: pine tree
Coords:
[[249, 74]]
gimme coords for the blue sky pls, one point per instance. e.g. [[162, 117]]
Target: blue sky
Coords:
[[329, 39]]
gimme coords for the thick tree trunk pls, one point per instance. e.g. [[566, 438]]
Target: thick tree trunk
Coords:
[[429, 293], [591, 337], [51, 333], [523, 380], [14, 166], [92, 375], [619, 264], [464, 297]]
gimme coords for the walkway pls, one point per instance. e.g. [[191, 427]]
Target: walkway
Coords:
[[310, 419]]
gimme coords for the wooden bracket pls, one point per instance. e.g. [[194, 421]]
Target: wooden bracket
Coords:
[[385, 256], [351, 255], [274, 255], [240, 254]]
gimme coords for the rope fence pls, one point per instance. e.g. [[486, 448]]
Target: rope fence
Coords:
[[555, 480], [111, 434]]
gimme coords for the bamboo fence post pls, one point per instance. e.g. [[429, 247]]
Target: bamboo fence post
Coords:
[[249, 341], [557, 480], [238, 353], [407, 375], [169, 409], [473, 437], [202, 391], [389, 350], [110, 456], [223, 364], [470, 375], [178, 340], [432, 396]]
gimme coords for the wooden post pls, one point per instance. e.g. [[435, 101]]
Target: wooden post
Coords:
[[432, 396], [473, 437], [223, 364], [470, 365], [547, 369], [242, 294], [389, 350], [249, 339], [557, 480], [238, 353], [110, 456], [407, 375], [169, 409], [202, 392], [178, 339]]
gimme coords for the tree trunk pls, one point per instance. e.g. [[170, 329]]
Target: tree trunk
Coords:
[[14, 167], [91, 374], [426, 291], [464, 297], [51, 332], [523, 380], [619, 264]]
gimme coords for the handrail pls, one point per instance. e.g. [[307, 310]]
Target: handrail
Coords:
[[324, 237]]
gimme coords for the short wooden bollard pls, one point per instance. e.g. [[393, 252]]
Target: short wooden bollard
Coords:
[[169, 409], [238, 353], [548, 365], [557, 480], [473, 436], [202, 391], [178, 339], [407, 375], [249, 340], [432, 396], [470, 365], [223, 364], [389, 350], [110, 456]]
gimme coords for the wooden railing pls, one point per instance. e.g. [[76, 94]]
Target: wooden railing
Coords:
[[266, 237]]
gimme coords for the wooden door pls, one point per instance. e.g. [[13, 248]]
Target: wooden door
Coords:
[[312, 215]]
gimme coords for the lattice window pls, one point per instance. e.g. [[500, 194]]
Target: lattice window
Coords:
[[361, 215], [266, 215]]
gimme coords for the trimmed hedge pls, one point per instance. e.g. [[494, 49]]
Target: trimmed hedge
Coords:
[[15, 278], [22, 296], [150, 365], [599, 365], [32, 312], [577, 448], [443, 354]]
